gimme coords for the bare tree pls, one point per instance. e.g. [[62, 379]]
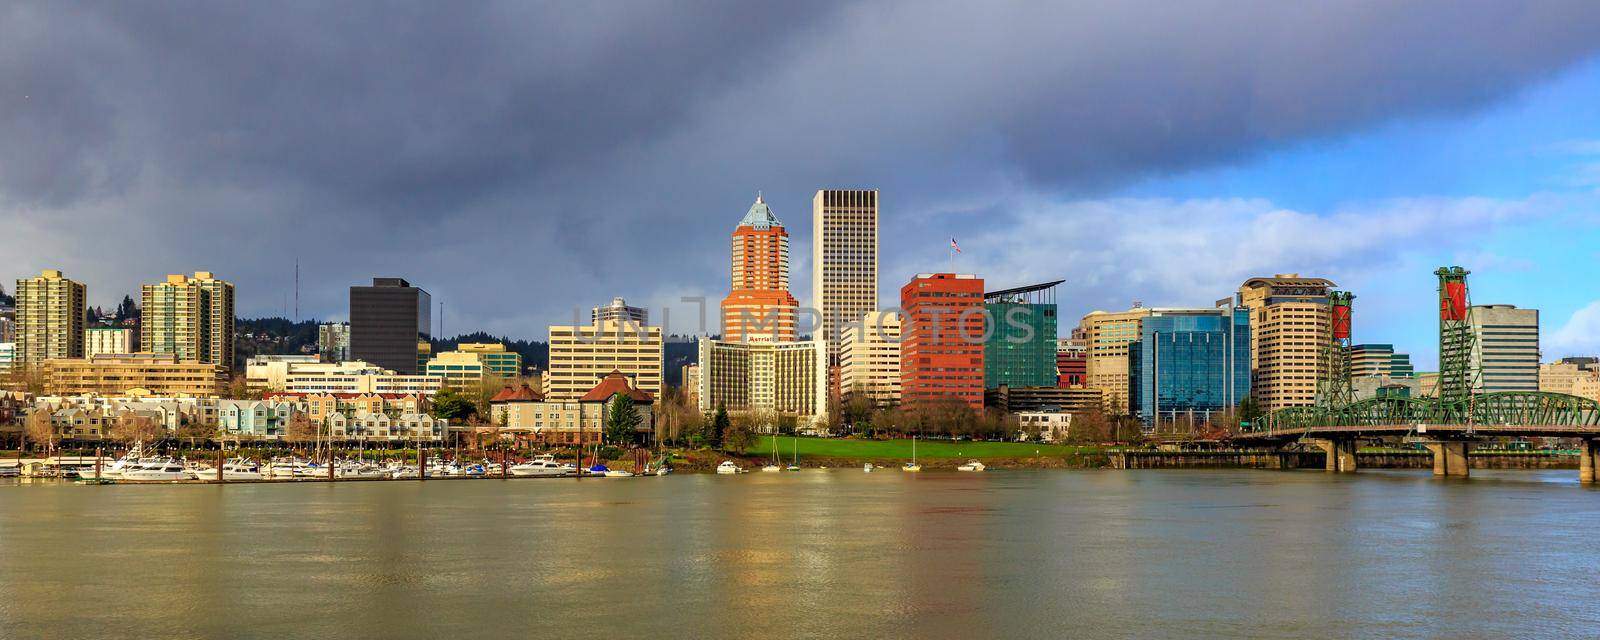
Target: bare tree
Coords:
[[39, 428], [301, 429], [131, 427]]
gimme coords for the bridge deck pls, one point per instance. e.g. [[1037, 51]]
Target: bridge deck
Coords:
[[1423, 430]]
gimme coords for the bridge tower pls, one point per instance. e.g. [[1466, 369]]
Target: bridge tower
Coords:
[[1458, 379], [1334, 390]]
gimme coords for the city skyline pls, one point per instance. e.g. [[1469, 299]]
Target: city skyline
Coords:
[[1485, 157]]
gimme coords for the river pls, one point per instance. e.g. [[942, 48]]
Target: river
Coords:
[[814, 554]]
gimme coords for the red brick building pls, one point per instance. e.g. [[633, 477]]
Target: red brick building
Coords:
[[1072, 363], [941, 351]]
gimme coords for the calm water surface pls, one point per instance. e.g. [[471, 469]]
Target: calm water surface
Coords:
[[1091, 554]]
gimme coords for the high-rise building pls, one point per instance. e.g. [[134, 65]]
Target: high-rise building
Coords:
[[869, 358], [844, 260], [1106, 337], [941, 354], [760, 307], [787, 379], [8, 329], [1021, 348], [49, 318], [1379, 360], [1505, 348], [620, 311], [189, 317], [108, 340], [387, 320], [8, 356], [1290, 328], [1072, 362], [583, 355], [690, 386], [1189, 364], [333, 341]]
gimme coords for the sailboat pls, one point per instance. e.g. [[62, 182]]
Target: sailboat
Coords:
[[774, 466], [794, 463], [912, 466]]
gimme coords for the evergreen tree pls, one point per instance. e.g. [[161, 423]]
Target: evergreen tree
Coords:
[[622, 421], [451, 405], [719, 425]]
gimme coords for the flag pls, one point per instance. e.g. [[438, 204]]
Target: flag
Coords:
[[955, 247]]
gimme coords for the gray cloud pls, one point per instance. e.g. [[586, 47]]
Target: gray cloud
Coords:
[[520, 159]]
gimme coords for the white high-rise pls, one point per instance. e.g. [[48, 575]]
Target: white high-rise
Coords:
[[844, 259]]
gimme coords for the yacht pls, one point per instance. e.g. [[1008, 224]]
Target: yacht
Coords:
[[161, 470], [404, 473], [728, 468], [242, 469], [10, 470], [972, 465], [541, 467], [772, 467], [360, 470], [129, 460], [618, 473], [868, 467]]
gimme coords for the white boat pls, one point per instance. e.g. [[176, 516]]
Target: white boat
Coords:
[[663, 471], [10, 470], [541, 467], [359, 471], [868, 467], [774, 466], [972, 465], [161, 470], [241, 469], [728, 468], [404, 472], [127, 461], [618, 473], [912, 466], [771, 468]]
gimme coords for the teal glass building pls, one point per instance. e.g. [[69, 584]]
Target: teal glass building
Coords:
[[1020, 350], [1189, 363]]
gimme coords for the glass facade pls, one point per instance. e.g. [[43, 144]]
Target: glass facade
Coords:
[[1189, 364], [1021, 347]]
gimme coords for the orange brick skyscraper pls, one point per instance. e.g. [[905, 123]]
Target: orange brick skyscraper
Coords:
[[760, 307]]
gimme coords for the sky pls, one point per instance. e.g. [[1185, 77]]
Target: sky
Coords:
[[525, 160]]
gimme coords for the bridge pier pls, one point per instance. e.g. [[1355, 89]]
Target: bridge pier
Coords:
[[1588, 455], [1449, 457], [1339, 455]]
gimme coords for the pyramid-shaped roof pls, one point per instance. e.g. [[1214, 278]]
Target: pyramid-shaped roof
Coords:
[[760, 217], [519, 394]]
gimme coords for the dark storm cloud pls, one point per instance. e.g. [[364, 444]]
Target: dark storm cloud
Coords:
[[520, 159]]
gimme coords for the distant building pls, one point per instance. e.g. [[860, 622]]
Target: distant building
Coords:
[[496, 358], [869, 358], [1044, 399], [1505, 348], [844, 261], [333, 341], [458, 369], [581, 356], [271, 372], [524, 414], [941, 354], [108, 340], [1572, 376], [759, 306], [1385, 386], [1072, 362], [1189, 363], [1289, 329], [8, 329], [1106, 337], [785, 378], [619, 311], [1379, 360], [189, 317], [355, 377], [49, 318], [690, 386], [387, 321], [1021, 347], [160, 374], [1051, 426], [8, 356]]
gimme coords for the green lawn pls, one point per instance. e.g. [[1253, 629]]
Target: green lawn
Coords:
[[901, 449]]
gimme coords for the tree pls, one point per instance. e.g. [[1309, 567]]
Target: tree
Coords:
[[131, 427], [717, 427], [196, 431], [1250, 413], [239, 389], [1088, 427], [39, 428], [301, 429], [738, 435], [450, 405], [622, 420]]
